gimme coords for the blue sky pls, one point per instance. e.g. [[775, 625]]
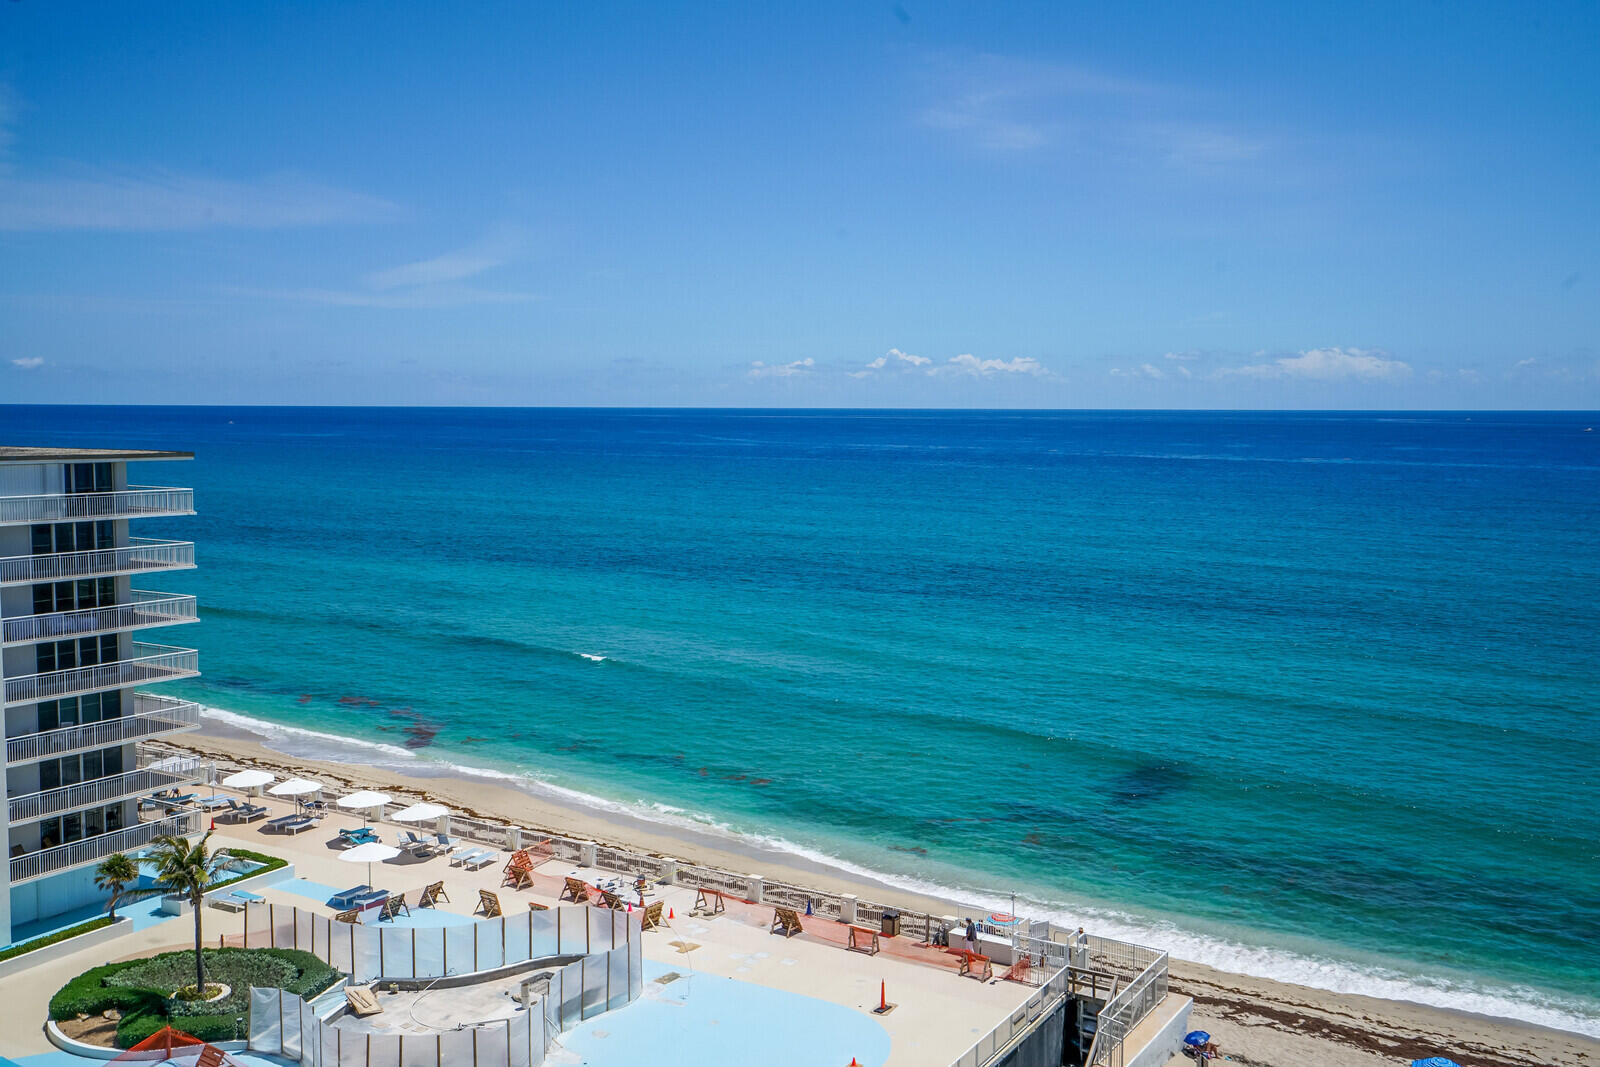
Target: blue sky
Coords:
[[1061, 205]]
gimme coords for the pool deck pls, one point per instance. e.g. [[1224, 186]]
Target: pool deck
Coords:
[[937, 1014]]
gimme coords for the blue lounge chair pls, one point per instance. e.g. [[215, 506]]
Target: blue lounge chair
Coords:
[[359, 836], [357, 897]]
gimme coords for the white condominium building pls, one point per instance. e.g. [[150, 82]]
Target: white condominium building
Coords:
[[75, 701]]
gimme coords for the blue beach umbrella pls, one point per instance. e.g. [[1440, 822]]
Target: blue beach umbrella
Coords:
[[1196, 1038], [1435, 1061]]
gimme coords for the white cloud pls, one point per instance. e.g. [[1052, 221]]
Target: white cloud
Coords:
[[493, 250], [28, 362], [1328, 365], [1144, 370], [1519, 364], [972, 366], [907, 357], [1185, 356], [163, 200], [428, 296], [759, 370]]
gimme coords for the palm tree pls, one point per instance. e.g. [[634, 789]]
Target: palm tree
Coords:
[[185, 870], [115, 873]]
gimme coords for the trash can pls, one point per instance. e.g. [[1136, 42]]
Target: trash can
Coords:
[[891, 923]]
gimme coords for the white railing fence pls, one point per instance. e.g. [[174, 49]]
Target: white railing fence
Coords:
[[48, 861], [141, 554], [32, 806], [149, 663], [145, 609], [135, 501]]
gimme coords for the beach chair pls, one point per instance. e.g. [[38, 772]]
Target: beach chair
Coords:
[[362, 1001], [235, 900], [786, 921], [352, 917], [611, 900], [349, 898], [975, 966], [459, 859], [862, 939], [482, 859], [517, 877], [392, 907], [650, 917], [534, 905], [431, 895], [211, 1056], [709, 901], [488, 903], [359, 836], [288, 824], [577, 891], [443, 844]]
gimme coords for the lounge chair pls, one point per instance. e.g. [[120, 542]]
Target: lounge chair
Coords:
[[534, 905], [361, 1001], [350, 898], [234, 899], [211, 1056], [245, 812], [431, 895], [651, 918], [359, 836], [612, 901], [786, 921], [488, 903], [477, 858], [577, 890], [392, 907], [288, 824], [442, 843], [417, 846], [352, 917]]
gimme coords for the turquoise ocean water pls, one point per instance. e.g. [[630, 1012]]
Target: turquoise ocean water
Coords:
[[1311, 696]]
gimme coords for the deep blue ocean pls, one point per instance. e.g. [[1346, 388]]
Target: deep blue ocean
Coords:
[[1312, 696]]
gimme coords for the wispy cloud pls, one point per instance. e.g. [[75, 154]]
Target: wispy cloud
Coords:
[[165, 200], [1146, 370], [493, 250], [28, 362], [759, 370], [421, 297], [972, 367], [1327, 365]]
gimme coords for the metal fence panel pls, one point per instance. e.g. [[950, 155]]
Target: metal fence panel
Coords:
[[266, 1029], [460, 949], [517, 940], [492, 1045], [542, 934], [491, 944], [594, 985], [429, 955], [455, 1047], [396, 952]]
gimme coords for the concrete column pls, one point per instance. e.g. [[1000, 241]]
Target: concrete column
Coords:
[[847, 908], [513, 837], [587, 853], [669, 871], [758, 885]]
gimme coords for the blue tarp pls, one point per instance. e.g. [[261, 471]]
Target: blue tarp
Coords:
[[1435, 1061]]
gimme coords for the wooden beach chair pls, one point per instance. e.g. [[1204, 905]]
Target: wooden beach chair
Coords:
[[651, 917], [431, 895], [786, 921], [611, 900], [709, 901], [975, 966], [362, 1001], [392, 907], [211, 1056], [577, 891], [489, 904], [352, 917], [519, 870], [862, 939], [534, 905]]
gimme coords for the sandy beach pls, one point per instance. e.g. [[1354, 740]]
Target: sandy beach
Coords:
[[1256, 1021]]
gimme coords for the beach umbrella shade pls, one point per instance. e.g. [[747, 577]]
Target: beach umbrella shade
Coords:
[[365, 801], [295, 787], [1196, 1038], [369, 853], [1435, 1061], [420, 812], [249, 779]]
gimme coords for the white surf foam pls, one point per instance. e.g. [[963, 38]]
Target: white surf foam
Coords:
[[1277, 964], [591, 657]]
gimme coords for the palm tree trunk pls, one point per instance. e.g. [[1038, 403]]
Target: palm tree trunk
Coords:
[[199, 964]]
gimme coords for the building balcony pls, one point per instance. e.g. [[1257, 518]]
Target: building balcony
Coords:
[[135, 502], [149, 663], [31, 807], [146, 609], [142, 554], [31, 865], [153, 716]]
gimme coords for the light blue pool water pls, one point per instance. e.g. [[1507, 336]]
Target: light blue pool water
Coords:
[[419, 916], [707, 1021]]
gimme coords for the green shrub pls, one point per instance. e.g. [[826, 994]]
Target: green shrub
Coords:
[[272, 863], [140, 990], [59, 935]]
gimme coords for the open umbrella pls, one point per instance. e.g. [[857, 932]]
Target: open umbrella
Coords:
[[295, 787], [365, 801], [421, 812], [369, 853], [1196, 1038], [1435, 1061], [249, 779]]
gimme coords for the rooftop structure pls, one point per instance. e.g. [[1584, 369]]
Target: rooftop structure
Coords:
[[73, 700]]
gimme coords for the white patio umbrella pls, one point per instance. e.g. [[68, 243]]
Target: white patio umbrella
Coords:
[[297, 788], [369, 853], [249, 779], [365, 800], [422, 812]]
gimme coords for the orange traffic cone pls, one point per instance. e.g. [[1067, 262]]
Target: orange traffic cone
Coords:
[[670, 915], [883, 996]]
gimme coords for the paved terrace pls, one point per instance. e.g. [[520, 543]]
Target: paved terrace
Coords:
[[938, 1014]]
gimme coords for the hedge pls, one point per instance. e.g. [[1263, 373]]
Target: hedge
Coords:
[[59, 935], [144, 1010], [272, 863]]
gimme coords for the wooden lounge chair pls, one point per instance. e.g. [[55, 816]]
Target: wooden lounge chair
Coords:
[[976, 966], [431, 895], [651, 918], [709, 901], [361, 1001], [577, 891], [534, 905], [863, 939], [786, 921], [611, 900], [488, 903], [352, 917], [392, 907], [518, 877], [211, 1056]]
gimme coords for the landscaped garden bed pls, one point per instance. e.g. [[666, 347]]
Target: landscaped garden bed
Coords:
[[141, 993]]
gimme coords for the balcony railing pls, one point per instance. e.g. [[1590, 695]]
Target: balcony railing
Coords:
[[135, 502], [145, 609], [150, 663], [142, 554], [152, 716], [93, 849], [33, 806]]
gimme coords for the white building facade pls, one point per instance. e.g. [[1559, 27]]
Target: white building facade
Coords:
[[76, 700]]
